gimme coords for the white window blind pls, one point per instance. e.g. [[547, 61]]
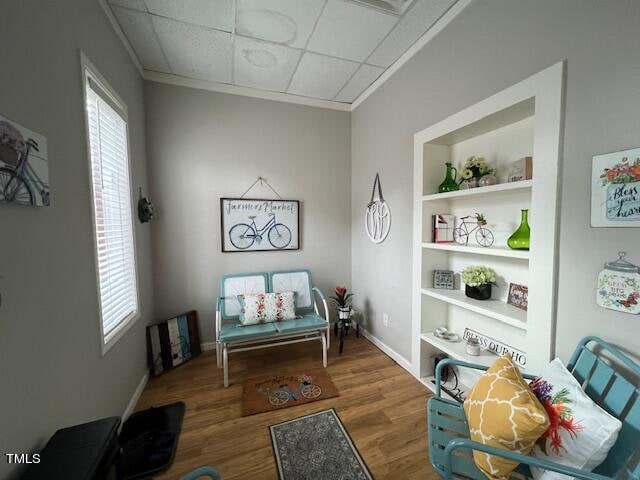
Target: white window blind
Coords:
[[117, 284]]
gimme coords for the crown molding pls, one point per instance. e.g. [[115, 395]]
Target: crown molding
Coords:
[[181, 81], [436, 28], [123, 38]]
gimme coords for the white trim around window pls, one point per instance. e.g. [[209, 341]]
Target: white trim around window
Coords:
[[112, 206]]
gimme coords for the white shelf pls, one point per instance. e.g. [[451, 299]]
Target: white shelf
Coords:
[[501, 187], [491, 251], [429, 382], [458, 350], [501, 311]]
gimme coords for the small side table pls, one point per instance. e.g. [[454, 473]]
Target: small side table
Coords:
[[342, 326]]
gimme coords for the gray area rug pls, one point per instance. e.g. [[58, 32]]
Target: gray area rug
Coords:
[[314, 447]]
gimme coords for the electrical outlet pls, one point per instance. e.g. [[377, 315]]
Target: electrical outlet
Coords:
[[385, 319]]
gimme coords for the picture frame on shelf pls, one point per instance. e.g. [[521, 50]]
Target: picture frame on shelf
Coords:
[[443, 279], [443, 225], [520, 170], [518, 296]]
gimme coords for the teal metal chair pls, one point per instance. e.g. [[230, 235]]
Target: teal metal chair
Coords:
[[450, 449], [202, 472]]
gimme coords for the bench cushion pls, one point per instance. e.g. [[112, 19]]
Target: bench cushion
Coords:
[[235, 332], [307, 322]]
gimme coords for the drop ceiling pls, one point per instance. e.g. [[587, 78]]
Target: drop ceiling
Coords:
[[330, 50]]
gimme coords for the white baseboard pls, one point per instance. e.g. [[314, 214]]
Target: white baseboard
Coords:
[[136, 396], [205, 347], [390, 352]]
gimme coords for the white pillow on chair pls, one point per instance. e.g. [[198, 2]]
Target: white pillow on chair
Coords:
[[266, 307], [581, 433]]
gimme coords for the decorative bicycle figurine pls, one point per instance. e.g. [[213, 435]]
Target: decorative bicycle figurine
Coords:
[[282, 395], [484, 236], [243, 235]]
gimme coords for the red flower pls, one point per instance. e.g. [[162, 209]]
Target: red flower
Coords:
[[340, 291]]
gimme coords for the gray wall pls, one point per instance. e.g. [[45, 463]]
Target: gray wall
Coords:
[[490, 46], [205, 145], [52, 372]]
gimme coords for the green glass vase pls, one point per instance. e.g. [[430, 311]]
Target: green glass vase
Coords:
[[519, 240], [449, 184]]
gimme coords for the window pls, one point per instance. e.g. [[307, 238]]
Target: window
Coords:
[[112, 209]]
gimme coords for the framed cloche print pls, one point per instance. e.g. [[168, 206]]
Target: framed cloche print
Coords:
[[619, 286], [615, 189]]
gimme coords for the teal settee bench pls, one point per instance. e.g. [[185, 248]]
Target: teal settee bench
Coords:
[[309, 325]]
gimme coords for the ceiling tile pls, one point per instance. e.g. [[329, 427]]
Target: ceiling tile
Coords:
[[284, 21], [133, 4], [364, 77], [217, 14], [138, 27], [420, 17], [264, 65], [195, 51], [348, 30], [321, 77]]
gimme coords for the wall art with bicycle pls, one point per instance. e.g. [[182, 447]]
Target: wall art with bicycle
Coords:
[[252, 225], [24, 168]]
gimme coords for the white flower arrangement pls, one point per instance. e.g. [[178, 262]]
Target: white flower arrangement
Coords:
[[475, 167], [477, 276]]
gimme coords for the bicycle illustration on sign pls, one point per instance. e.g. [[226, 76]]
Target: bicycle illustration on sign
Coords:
[[484, 236], [20, 181], [243, 235], [280, 396]]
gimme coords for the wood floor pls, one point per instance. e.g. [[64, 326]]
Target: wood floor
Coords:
[[381, 405]]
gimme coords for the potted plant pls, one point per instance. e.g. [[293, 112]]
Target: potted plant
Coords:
[[476, 172], [342, 299], [478, 280]]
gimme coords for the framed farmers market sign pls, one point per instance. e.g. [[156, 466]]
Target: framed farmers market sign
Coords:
[[615, 189], [252, 225]]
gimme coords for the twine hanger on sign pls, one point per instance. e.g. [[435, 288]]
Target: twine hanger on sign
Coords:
[[263, 182], [377, 183]]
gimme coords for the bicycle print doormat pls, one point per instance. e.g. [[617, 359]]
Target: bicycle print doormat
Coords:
[[264, 394], [250, 225], [24, 169]]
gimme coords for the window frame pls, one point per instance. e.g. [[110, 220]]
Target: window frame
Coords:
[[90, 72]]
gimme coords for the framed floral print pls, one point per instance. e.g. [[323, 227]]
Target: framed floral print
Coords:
[[615, 189]]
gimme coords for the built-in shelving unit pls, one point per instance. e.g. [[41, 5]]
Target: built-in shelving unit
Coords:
[[475, 250], [492, 308], [476, 192], [523, 120]]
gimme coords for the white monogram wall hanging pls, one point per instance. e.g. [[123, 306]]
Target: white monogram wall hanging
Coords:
[[377, 219]]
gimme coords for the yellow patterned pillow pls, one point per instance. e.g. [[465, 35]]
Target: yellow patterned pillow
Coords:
[[503, 412]]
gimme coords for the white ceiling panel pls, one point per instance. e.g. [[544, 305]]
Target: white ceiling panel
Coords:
[[420, 17], [138, 27], [264, 65], [322, 49], [281, 21], [364, 77], [217, 14], [133, 4], [321, 77], [349, 30], [194, 51]]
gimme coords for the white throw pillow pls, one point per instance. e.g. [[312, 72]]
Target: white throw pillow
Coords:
[[581, 433], [266, 307]]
